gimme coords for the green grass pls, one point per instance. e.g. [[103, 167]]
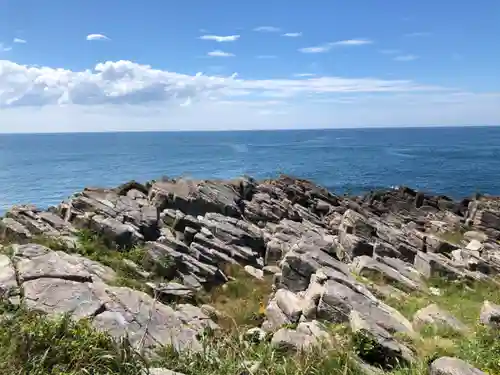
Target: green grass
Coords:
[[35, 345], [454, 237], [240, 300]]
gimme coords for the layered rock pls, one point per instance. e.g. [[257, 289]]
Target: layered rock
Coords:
[[316, 244]]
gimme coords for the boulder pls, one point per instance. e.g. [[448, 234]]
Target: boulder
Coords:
[[289, 303], [435, 316], [453, 366], [11, 230], [367, 266], [490, 314], [377, 346]]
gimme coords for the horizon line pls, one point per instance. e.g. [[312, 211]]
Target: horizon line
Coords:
[[374, 127]]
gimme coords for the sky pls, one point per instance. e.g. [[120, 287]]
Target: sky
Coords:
[[224, 65]]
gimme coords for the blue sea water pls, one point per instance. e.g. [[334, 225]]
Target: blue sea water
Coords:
[[45, 169]]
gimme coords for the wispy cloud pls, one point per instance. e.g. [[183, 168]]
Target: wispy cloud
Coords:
[[352, 42], [418, 34], [389, 51], [266, 57], [304, 75], [19, 41], [97, 37], [4, 48], [405, 58], [328, 46], [219, 53], [220, 39], [316, 49], [292, 35], [267, 29]]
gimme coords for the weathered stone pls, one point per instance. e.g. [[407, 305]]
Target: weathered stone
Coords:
[[490, 314], [289, 303], [8, 281], [56, 296], [172, 292], [275, 318], [52, 266], [453, 366], [255, 272], [115, 232], [289, 339], [342, 297], [376, 345], [30, 250], [433, 315], [429, 265], [161, 371], [13, 231], [351, 246], [255, 335], [366, 266]]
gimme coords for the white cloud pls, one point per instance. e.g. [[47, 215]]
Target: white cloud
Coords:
[[19, 40], [328, 46], [405, 58], [316, 49], [292, 35], [97, 37], [266, 57], [123, 95], [220, 39], [4, 48], [219, 53], [267, 29], [352, 42], [125, 82], [418, 34], [302, 75]]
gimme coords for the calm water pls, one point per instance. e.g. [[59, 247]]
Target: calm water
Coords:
[[44, 169]]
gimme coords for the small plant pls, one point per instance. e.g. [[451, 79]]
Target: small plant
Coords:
[[33, 344]]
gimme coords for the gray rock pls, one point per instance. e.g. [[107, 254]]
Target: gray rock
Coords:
[[292, 340], [355, 223], [11, 230], [172, 292], [53, 266], [255, 272], [115, 232], [367, 266], [255, 335], [375, 345], [289, 303], [351, 246], [453, 366], [55, 296], [342, 297], [433, 315], [161, 371], [490, 314], [30, 250], [429, 264], [275, 318], [475, 235], [8, 281]]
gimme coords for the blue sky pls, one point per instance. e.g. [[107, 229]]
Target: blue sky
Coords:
[[163, 65]]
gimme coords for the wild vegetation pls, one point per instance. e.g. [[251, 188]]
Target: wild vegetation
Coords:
[[33, 344]]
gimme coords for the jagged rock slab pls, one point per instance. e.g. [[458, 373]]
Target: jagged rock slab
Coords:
[[453, 366], [434, 315], [490, 314]]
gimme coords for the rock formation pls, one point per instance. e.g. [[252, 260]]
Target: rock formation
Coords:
[[317, 244]]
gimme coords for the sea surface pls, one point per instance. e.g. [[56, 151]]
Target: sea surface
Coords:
[[45, 169]]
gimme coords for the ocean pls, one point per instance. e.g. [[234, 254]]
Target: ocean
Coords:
[[44, 169]]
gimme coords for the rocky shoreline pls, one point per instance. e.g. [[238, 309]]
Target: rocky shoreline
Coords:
[[314, 244]]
